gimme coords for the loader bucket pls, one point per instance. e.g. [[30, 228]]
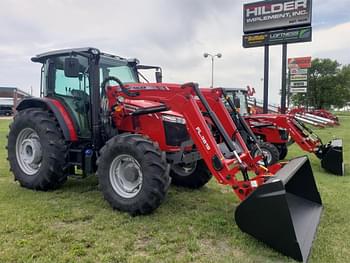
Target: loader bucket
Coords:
[[332, 157], [285, 211]]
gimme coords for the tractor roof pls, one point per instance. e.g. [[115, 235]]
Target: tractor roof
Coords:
[[42, 57]]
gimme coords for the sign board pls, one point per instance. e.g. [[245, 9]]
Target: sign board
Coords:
[[298, 84], [299, 63], [276, 14], [298, 90], [298, 71], [298, 77], [278, 37]]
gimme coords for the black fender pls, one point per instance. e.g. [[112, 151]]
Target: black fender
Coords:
[[65, 122]]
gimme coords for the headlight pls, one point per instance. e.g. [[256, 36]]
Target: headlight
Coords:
[[173, 119], [120, 99]]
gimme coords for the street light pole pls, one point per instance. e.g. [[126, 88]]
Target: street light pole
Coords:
[[212, 72], [218, 55]]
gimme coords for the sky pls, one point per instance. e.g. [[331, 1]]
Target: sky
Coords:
[[173, 34]]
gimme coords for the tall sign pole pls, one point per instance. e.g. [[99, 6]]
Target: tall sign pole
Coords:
[[212, 71], [284, 78], [266, 79], [276, 22]]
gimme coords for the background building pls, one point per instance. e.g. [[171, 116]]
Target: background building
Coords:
[[9, 98]]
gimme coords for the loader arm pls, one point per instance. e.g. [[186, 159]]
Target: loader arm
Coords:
[[303, 136], [214, 97]]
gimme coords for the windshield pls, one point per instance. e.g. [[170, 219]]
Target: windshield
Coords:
[[117, 68], [242, 98], [243, 110]]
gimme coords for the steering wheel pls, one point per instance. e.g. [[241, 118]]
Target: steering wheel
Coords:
[[121, 85], [79, 94]]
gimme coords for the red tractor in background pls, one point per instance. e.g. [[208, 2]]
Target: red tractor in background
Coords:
[[136, 136], [283, 129]]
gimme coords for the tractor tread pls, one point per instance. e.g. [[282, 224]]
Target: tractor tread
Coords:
[[154, 168], [197, 179], [53, 171]]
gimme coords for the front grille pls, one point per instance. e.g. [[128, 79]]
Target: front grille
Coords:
[[175, 133]]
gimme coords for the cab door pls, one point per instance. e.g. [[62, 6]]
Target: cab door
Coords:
[[73, 92]]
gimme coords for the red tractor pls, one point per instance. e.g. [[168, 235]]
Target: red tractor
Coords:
[[136, 136], [283, 129]]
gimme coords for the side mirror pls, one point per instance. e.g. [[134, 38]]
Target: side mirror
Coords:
[[71, 67], [159, 77], [237, 102]]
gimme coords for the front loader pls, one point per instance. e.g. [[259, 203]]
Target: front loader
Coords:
[[133, 134], [267, 126], [279, 129]]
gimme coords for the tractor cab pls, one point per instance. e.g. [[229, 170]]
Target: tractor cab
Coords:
[[67, 76], [239, 97]]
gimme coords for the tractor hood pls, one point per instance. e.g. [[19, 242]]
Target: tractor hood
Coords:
[[136, 104]]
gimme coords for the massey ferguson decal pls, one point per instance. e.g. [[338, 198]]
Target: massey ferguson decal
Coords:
[[274, 14]]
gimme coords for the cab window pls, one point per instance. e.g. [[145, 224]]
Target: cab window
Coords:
[[117, 68]]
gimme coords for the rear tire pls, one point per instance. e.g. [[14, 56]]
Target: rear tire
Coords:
[[133, 174], [273, 155], [194, 175], [37, 150]]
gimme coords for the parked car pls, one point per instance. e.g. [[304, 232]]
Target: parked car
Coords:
[[6, 110]]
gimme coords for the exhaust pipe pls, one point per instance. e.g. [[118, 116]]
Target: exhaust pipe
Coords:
[[285, 211], [331, 156]]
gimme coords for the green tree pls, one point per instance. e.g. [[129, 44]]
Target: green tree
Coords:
[[329, 84], [344, 82]]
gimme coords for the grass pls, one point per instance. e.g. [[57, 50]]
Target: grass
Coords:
[[75, 224]]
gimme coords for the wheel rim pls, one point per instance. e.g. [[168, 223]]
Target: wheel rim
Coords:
[[184, 169], [265, 153], [28, 151], [125, 176]]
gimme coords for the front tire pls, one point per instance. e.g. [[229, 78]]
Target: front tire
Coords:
[[194, 175], [37, 150], [133, 174], [269, 150]]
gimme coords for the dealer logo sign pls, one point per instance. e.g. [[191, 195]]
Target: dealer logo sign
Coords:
[[267, 15]]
